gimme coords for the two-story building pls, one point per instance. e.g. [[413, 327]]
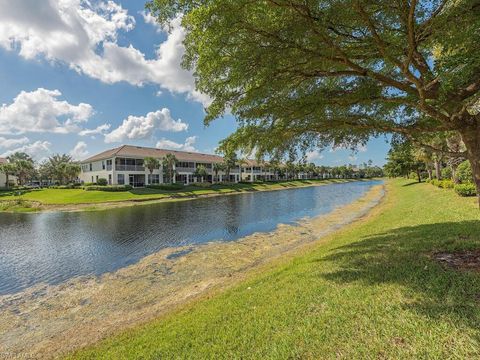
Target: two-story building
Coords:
[[125, 165]]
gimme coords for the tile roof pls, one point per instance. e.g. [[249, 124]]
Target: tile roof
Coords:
[[140, 151], [3, 161]]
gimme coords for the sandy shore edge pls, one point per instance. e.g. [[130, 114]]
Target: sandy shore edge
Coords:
[[48, 321]]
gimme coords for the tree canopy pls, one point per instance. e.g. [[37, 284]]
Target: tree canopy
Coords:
[[309, 73]]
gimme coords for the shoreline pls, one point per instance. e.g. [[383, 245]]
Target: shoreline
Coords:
[[37, 207], [48, 321]]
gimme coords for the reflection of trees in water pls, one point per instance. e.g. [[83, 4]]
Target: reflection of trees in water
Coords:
[[232, 216]]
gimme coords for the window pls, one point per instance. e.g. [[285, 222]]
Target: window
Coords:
[[185, 164], [153, 179], [103, 165], [90, 166], [109, 179], [121, 179]]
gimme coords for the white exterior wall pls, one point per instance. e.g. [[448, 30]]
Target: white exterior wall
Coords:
[[98, 172], [3, 180]]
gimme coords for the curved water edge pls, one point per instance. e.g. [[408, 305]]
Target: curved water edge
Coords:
[[86, 309], [54, 247]]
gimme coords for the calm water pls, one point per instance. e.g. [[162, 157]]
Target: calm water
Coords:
[[54, 247]]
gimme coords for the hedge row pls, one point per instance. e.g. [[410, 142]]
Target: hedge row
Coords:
[[111, 188], [467, 189], [166, 186]]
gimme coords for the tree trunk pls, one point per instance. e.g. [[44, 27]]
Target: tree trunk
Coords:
[[471, 138], [429, 174], [419, 176], [438, 173]]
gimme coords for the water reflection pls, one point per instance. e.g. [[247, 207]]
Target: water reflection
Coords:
[[53, 247]]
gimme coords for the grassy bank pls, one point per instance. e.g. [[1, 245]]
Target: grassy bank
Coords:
[[80, 196], [371, 290]]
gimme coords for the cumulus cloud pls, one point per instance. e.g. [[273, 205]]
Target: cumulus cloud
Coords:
[[101, 129], [37, 150], [150, 19], [8, 143], [188, 145], [79, 152], [41, 111], [359, 148], [143, 127], [314, 155], [83, 35]]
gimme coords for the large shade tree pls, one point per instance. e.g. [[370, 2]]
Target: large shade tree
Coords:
[[315, 72]]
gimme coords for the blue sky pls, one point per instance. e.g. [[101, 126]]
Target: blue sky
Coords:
[[80, 77]]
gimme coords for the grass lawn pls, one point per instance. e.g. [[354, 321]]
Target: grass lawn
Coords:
[[369, 291], [80, 196]]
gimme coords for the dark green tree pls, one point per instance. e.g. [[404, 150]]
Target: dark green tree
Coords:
[[308, 73]]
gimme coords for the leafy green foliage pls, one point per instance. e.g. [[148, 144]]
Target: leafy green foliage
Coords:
[[467, 189], [301, 74], [464, 172], [102, 182], [151, 163], [169, 187], [109, 188]]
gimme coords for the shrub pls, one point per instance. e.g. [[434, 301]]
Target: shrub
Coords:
[[436, 182], [202, 184], [447, 172], [89, 184], [446, 184], [102, 182], [68, 186], [111, 188], [464, 172], [168, 187], [465, 189]]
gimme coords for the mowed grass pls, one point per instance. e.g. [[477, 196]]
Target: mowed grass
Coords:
[[369, 291], [80, 196]]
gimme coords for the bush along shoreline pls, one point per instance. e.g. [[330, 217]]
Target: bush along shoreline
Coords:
[[461, 182]]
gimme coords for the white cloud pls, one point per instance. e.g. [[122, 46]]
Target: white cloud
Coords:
[[97, 131], [362, 148], [188, 145], [8, 143], [79, 152], [41, 111], [150, 19], [359, 148], [314, 155], [143, 127], [83, 35], [37, 150]]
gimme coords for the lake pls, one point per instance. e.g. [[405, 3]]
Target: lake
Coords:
[[54, 247]]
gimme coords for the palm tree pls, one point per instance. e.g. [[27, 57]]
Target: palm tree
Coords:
[[23, 168], [19, 156], [7, 169], [151, 164], [230, 161], [72, 170], [169, 162], [200, 172], [217, 167], [275, 167]]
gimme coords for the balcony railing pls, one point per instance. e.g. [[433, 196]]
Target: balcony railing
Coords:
[[185, 169], [109, 167], [129, 168]]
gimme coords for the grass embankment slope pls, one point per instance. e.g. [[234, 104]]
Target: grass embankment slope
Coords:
[[80, 196], [368, 291]]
